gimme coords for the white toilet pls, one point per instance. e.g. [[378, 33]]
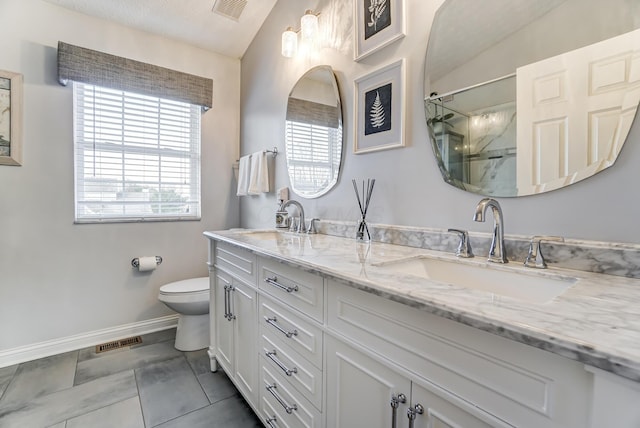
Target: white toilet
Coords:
[[190, 299]]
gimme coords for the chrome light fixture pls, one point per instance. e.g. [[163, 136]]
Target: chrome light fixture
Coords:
[[308, 29]]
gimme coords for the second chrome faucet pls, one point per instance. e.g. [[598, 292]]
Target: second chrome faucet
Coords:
[[301, 225], [497, 251]]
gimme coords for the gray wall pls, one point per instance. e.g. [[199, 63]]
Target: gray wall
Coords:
[[58, 279], [409, 190]]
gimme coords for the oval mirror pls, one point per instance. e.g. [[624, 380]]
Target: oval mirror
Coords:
[[527, 96], [314, 133]]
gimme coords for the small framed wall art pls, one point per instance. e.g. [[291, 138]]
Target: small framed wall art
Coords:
[[378, 23], [10, 118], [379, 109]]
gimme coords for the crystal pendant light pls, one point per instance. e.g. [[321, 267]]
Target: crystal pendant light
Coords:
[[309, 25], [289, 43]]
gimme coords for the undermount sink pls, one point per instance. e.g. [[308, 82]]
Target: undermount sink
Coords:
[[536, 287]]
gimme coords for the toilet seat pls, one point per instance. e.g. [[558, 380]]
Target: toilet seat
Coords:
[[187, 286], [190, 299]]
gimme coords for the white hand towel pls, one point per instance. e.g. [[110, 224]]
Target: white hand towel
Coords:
[[244, 174], [259, 181]]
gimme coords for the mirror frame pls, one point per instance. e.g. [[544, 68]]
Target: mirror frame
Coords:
[[331, 184]]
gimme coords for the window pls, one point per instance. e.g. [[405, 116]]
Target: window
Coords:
[[313, 155], [137, 157]]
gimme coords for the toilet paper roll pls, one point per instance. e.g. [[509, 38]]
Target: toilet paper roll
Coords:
[[147, 263]]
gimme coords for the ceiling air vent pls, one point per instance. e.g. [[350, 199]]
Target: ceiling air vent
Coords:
[[229, 8]]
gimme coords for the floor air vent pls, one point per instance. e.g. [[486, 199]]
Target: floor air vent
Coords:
[[118, 344], [229, 8]]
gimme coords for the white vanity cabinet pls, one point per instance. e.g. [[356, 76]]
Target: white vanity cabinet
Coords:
[[464, 374], [234, 326], [308, 351], [368, 392]]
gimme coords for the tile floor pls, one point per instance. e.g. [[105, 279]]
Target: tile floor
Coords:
[[147, 385]]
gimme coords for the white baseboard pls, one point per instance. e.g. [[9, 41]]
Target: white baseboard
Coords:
[[71, 343]]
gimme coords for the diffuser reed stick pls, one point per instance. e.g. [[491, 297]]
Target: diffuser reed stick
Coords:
[[362, 233]]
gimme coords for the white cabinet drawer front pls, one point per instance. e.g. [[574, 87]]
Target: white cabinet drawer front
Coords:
[[236, 261], [302, 290], [279, 399], [301, 335], [300, 373], [517, 383]]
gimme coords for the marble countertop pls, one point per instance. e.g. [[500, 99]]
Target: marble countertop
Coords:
[[596, 321]]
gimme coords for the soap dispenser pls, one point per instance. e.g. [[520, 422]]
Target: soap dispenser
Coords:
[[282, 216]]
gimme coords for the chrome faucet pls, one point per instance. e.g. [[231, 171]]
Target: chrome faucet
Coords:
[[497, 252], [464, 246], [301, 227], [535, 259]]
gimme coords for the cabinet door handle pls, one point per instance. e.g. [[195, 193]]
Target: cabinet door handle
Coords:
[[412, 412], [395, 402], [229, 315], [272, 357], [287, 408], [271, 421], [226, 301], [274, 322], [274, 281]]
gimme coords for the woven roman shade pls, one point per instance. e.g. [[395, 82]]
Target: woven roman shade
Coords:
[[98, 68], [313, 113]]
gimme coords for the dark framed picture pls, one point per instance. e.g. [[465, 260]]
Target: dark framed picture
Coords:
[[378, 23], [379, 109], [10, 118]]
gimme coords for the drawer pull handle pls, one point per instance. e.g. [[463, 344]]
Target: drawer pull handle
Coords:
[[274, 281], [395, 402], [272, 357], [274, 322], [412, 412], [287, 408], [271, 421]]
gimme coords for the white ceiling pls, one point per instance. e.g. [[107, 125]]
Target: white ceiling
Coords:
[[191, 21]]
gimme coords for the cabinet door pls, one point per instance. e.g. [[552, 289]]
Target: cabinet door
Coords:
[[224, 326], [360, 390], [440, 413], [244, 308]]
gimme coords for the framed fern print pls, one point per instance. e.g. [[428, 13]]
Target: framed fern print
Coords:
[[379, 108], [378, 23]]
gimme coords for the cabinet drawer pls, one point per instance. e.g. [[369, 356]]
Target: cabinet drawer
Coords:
[[301, 335], [303, 291], [517, 383], [279, 401], [300, 373], [236, 261]]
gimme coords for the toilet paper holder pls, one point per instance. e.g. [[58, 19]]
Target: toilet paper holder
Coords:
[[136, 262]]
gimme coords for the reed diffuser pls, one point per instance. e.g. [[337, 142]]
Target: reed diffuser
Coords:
[[362, 233]]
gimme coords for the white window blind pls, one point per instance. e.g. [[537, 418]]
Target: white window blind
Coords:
[[137, 157], [311, 160]]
